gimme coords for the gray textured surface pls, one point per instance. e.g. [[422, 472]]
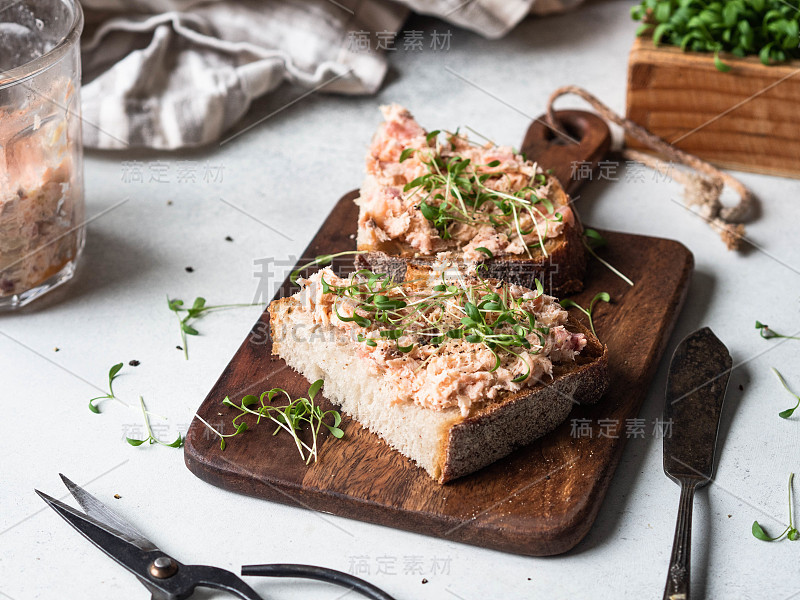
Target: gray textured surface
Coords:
[[287, 172]]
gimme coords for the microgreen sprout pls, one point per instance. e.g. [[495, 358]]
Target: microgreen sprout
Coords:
[[242, 427], [592, 240], [601, 296], [113, 372], [785, 414], [790, 532], [292, 417], [454, 190], [480, 135], [197, 310], [322, 260], [151, 438], [406, 154], [767, 28], [768, 334]]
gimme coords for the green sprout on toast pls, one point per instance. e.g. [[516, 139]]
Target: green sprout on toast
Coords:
[[482, 312], [454, 190], [601, 296]]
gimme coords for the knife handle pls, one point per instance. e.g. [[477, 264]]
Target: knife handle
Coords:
[[677, 587]]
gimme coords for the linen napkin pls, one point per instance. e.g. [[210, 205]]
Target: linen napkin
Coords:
[[168, 74]]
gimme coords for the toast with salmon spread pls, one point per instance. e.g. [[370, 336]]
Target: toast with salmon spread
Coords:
[[429, 196], [454, 372]]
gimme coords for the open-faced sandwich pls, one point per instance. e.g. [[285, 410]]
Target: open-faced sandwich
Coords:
[[454, 372], [431, 193]]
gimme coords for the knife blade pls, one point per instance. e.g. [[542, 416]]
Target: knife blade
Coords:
[[696, 384]]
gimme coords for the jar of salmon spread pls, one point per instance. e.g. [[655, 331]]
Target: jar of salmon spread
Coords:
[[41, 156]]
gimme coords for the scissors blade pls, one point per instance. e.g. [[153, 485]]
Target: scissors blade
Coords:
[[116, 544], [103, 515], [110, 541]]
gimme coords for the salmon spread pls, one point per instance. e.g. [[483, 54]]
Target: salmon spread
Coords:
[[444, 340], [41, 195], [438, 192]]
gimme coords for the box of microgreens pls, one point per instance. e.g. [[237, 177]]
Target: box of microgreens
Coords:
[[720, 80]]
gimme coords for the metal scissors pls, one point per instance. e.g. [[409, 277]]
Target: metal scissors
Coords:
[[163, 576]]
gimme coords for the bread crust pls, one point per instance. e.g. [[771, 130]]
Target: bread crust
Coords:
[[561, 272], [499, 428]]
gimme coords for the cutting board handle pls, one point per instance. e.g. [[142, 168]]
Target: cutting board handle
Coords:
[[572, 163]]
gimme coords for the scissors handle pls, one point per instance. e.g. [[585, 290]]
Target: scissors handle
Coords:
[[319, 574], [220, 579]]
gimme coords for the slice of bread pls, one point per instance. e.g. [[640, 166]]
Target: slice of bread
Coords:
[[391, 224], [447, 443], [561, 271]]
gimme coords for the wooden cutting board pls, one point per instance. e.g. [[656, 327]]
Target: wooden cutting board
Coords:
[[542, 499]]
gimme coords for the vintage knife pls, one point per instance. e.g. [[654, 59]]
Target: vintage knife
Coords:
[[696, 384]]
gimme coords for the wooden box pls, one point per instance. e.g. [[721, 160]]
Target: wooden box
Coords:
[[747, 118]]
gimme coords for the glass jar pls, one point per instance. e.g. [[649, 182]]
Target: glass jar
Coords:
[[41, 156]]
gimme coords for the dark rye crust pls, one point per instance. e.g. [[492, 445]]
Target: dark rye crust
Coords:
[[561, 272], [496, 430]]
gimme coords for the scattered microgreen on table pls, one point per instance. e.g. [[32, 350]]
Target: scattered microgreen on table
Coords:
[[767, 28], [592, 240], [197, 310], [293, 417], [768, 334], [785, 414], [113, 372], [112, 375], [600, 296], [151, 438], [790, 532]]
